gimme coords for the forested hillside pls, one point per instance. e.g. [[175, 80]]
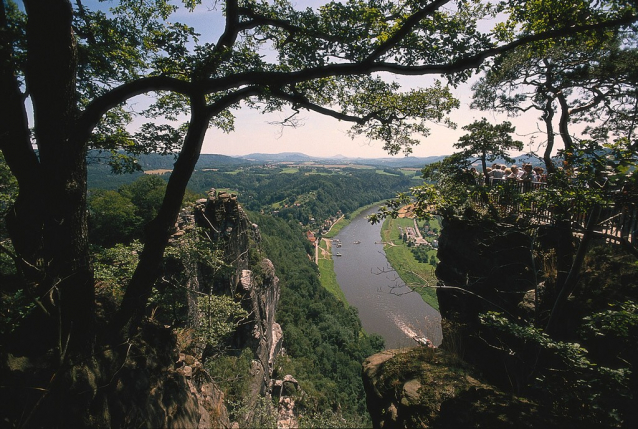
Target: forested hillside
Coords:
[[303, 195], [308, 196]]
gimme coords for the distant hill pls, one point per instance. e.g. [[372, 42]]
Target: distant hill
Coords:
[[207, 160], [397, 162], [100, 175], [519, 160], [278, 157], [405, 161], [156, 161]]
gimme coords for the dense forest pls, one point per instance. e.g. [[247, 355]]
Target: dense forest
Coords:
[[306, 194]]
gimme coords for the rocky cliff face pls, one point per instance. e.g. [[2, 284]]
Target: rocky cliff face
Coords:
[[147, 381], [485, 360], [257, 284], [487, 267], [250, 280]]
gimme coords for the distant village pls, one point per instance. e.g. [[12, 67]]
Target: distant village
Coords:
[[413, 237]]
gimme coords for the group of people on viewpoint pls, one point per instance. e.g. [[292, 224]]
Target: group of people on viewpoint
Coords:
[[528, 177], [527, 173]]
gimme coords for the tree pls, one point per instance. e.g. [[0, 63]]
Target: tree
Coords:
[[8, 191], [72, 70], [146, 194], [586, 80], [590, 80], [488, 142], [112, 218]]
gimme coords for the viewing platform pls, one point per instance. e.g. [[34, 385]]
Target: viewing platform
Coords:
[[616, 222]]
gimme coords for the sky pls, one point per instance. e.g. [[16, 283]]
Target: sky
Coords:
[[323, 136]]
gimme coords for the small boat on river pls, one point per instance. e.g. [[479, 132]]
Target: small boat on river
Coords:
[[424, 342]]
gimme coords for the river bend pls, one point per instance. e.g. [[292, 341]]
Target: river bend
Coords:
[[386, 306]]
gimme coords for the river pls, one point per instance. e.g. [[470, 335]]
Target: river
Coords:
[[386, 306]]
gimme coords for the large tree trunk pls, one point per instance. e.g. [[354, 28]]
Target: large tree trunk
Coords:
[[15, 143], [48, 222], [65, 284]]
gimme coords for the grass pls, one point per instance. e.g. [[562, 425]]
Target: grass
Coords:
[[329, 279], [290, 170], [327, 274], [413, 273]]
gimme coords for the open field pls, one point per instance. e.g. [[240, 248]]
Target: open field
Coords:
[[327, 274], [414, 273]]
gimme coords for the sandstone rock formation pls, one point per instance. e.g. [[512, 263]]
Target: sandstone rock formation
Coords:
[[144, 381], [254, 282], [486, 267], [427, 388]]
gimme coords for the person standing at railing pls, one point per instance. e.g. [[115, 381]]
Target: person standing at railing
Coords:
[[526, 177], [514, 173], [540, 174], [496, 173], [486, 179]]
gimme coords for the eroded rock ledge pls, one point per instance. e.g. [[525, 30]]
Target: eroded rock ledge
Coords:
[[429, 388]]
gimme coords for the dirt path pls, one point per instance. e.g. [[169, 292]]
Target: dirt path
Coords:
[[416, 229], [322, 253]]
